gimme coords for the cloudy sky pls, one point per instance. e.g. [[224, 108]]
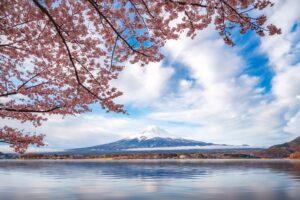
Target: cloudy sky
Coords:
[[203, 90]]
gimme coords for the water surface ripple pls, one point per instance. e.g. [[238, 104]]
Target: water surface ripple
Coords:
[[150, 179]]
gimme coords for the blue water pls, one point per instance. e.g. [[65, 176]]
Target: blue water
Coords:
[[152, 179]]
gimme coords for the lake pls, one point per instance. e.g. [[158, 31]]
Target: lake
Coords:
[[150, 179]]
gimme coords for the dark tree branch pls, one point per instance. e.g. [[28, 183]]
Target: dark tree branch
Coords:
[[101, 15], [183, 3], [23, 85], [88, 71], [27, 88], [57, 28], [31, 110], [190, 20], [139, 14], [113, 52], [147, 8], [240, 15]]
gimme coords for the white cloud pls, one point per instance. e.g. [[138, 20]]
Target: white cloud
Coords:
[[283, 49], [293, 125], [143, 85], [284, 53], [83, 130], [220, 98], [226, 105]]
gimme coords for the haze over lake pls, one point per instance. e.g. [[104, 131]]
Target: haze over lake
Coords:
[[150, 179]]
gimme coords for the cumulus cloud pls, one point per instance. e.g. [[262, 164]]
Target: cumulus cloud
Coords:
[[82, 130], [143, 85], [220, 96], [224, 103]]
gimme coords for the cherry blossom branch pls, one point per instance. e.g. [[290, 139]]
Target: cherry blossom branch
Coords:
[[147, 8], [183, 3], [31, 110], [67, 48], [18, 140], [24, 84], [101, 15], [113, 53], [139, 14]]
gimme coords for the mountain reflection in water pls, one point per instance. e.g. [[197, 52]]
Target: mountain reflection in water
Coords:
[[152, 179]]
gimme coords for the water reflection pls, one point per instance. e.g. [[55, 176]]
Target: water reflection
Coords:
[[207, 179]]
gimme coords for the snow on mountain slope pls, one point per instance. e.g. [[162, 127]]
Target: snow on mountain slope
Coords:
[[149, 133]]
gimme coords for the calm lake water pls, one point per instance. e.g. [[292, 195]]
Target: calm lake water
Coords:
[[142, 180]]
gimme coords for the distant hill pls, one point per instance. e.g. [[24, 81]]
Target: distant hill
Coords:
[[281, 150], [7, 156]]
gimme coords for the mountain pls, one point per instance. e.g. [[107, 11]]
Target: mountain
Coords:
[[8, 156], [152, 137], [281, 150]]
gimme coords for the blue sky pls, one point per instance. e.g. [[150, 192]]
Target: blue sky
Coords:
[[204, 90]]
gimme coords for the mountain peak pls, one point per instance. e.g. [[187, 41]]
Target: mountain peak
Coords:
[[150, 132]]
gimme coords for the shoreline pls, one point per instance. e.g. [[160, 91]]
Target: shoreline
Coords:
[[159, 160]]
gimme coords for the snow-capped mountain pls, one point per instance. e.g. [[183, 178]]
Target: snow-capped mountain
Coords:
[[149, 133], [152, 137]]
